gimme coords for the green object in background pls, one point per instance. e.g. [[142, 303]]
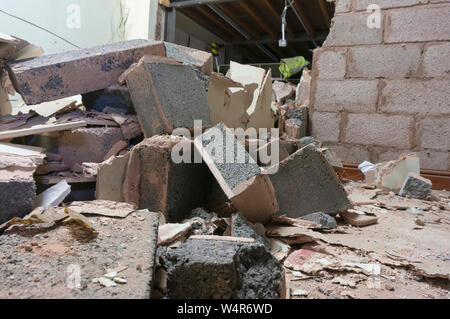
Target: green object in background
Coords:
[[292, 66]]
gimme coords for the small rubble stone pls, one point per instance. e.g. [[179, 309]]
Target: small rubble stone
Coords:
[[327, 221], [415, 186], [282, 91], [204, 269]]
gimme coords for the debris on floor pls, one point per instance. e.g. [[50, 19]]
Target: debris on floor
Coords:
[[122, 194]]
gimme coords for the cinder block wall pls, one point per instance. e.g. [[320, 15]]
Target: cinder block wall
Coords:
[[380, 92]]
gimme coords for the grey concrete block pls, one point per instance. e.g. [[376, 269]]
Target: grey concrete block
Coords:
[[240, 167], [416, 186], [16, 198], [167, 95], [199, 59], [305, 183], [237, 173], [203, 269], [240, 227], [171, 188], [327, 221], [55, 76]]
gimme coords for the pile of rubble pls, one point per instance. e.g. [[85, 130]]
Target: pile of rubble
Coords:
[[147, 187]]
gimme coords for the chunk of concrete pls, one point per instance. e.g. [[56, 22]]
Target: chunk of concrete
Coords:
[[240, 227], [54, 76], [16, 198], [167, 187], [17, 187], [292, 128], [87, 144], [327, 221], [218, 269], [305, 183], [70, 249], [200, 59], [357, 218], [282, 91], [300, 116], [237, 173], [415, 186], [167, 95]]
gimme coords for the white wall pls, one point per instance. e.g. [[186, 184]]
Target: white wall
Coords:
[[100, 21]]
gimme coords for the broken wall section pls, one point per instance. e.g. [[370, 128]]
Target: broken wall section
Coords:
[[379, 92]]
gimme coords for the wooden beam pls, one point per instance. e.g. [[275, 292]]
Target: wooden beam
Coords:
[[258, 19], [277, 15], [205, 22], [304, 18], [325, 13], [217, 20]]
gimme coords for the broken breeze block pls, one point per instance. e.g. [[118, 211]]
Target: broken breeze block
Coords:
[[87, 144], [237, 173], [16, 198], [167, 187], [199, 59], [305, 183], [55, 76], [205, 269], [416, 186], [167, 95]]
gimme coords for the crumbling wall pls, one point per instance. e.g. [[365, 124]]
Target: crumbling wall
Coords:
[[379, 92]]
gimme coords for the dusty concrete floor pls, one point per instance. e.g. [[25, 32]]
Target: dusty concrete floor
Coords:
[[410, 242], [414, 259]]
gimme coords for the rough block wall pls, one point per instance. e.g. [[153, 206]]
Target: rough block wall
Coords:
[[380, 92]]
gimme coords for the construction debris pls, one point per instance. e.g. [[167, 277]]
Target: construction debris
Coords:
[[391, 175], [240, 177], [222, 269], [305, 183], [231, 221], [415, 186], [55, 76], [160, 108]]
